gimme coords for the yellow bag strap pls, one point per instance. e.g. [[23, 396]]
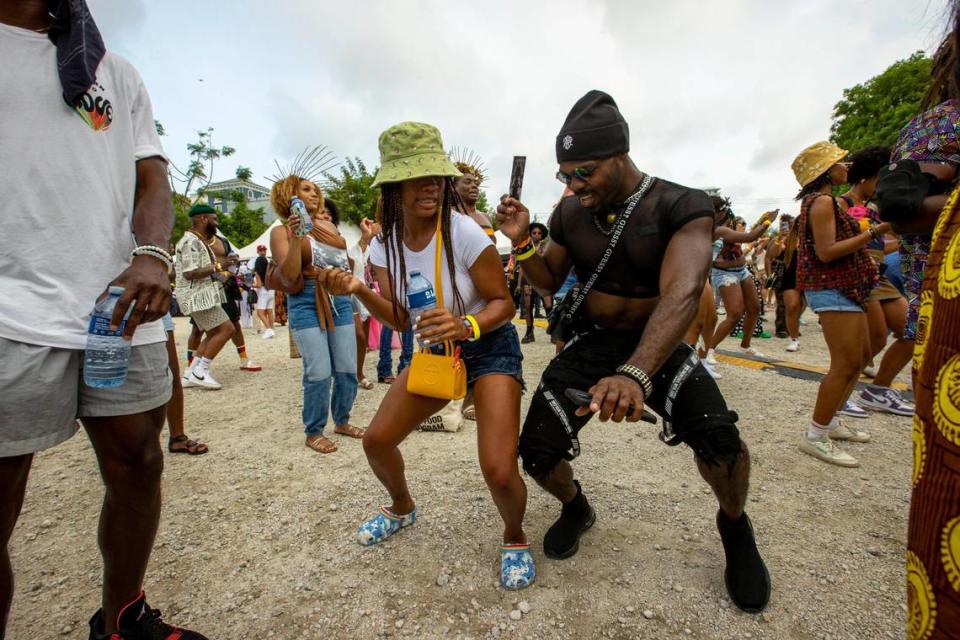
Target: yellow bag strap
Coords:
[[438, 273], [438, 262]]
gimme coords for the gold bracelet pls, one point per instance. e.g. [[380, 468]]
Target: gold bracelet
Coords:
[[476, 327]]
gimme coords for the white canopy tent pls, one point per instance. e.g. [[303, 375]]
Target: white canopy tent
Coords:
[[352, 235], [350, 232], [504, 246]]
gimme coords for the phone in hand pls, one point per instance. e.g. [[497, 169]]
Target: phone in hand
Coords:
[[582, 399], [516, 176]]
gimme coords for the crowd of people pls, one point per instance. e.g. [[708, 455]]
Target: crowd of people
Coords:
[[631, 269]]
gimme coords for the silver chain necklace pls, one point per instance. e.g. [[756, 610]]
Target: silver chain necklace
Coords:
[[631, 202]]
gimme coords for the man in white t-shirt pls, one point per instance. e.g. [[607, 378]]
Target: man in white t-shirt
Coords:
[[82, 185]]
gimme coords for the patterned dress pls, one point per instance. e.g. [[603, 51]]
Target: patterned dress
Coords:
[[932, 136], [933, 543]]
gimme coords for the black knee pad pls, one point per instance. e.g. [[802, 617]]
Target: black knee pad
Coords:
[[715, 438]]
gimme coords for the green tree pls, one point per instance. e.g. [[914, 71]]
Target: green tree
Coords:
[[482, 204], [352, 190], [875, 111], [202, 155], [181, 221], [192, 182], [244, 173], [242, 225]]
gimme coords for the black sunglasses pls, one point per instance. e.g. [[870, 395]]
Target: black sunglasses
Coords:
[[580, 173]]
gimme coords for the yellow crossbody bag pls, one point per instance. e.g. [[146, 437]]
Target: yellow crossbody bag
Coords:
[[432, 375]]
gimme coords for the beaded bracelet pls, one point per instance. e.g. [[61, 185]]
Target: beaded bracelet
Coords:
[[154, 252]]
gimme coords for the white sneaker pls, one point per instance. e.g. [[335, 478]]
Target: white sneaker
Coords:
[[824, 449], [843, 432], [853, 410], [870, 372], [750, 351], [886, 400], [794, 346], [268, 334], [711, 358], [204, 381], [713, 372]]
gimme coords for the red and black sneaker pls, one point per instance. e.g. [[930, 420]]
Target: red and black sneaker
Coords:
[[137, 621]]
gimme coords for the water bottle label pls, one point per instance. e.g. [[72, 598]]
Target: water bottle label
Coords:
[[100, 326], [421, 299]]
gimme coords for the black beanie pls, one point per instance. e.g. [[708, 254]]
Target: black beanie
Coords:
[[593, 129]]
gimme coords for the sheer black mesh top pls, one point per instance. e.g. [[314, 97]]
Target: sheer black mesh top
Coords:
[[633, 270]]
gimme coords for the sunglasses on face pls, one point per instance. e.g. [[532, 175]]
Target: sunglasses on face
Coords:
[[580, 173]]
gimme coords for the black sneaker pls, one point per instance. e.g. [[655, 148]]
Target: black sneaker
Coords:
[[746, 575], [527, 339], [562, 539], [137, 621]]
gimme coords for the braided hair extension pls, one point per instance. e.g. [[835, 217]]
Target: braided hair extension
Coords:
[[391, 235]]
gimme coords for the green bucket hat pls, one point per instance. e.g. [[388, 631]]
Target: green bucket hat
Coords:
[[412, 150]]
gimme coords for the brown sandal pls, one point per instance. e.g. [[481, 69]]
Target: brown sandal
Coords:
[[350, 431], [321, 444], [191, 447]]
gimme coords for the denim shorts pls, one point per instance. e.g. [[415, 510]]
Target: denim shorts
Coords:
[[821, 300], [725, 278], [497, 352]]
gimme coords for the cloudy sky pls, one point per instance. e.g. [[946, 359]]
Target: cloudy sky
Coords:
[[717, 92]]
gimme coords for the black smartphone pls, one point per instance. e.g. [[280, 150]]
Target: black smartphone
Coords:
[[516, 176], [582, 399]]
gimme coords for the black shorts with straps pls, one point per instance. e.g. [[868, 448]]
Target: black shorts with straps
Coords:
[[684, 395]]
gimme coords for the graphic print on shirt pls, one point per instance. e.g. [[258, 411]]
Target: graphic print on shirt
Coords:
[[95, 108]]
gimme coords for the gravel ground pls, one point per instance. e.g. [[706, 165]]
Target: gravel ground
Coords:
[[257, 537]]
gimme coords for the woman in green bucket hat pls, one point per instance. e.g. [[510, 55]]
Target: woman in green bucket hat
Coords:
[[416, 181]]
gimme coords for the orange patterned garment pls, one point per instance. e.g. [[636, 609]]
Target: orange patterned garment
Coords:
[[933, 544]]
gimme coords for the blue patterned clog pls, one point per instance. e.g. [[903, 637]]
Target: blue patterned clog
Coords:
[[383, 525], [516, 567]]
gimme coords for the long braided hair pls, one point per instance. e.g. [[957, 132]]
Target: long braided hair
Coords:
[[391, 235]]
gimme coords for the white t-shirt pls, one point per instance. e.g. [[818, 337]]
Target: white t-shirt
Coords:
[[67, 179], [469, 241]]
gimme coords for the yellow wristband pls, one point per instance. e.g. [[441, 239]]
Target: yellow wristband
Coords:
[[476, 327], [523, 256]]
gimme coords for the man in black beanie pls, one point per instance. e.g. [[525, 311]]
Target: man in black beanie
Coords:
[[640, 247]]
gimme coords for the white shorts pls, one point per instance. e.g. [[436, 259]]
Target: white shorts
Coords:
[[265, 298]]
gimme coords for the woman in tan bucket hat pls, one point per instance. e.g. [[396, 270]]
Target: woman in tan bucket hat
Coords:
[[416, 179], [836, 276]]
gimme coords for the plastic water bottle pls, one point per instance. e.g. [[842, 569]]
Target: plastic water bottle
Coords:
[[420, 297], [107, 356], [298, 208]]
